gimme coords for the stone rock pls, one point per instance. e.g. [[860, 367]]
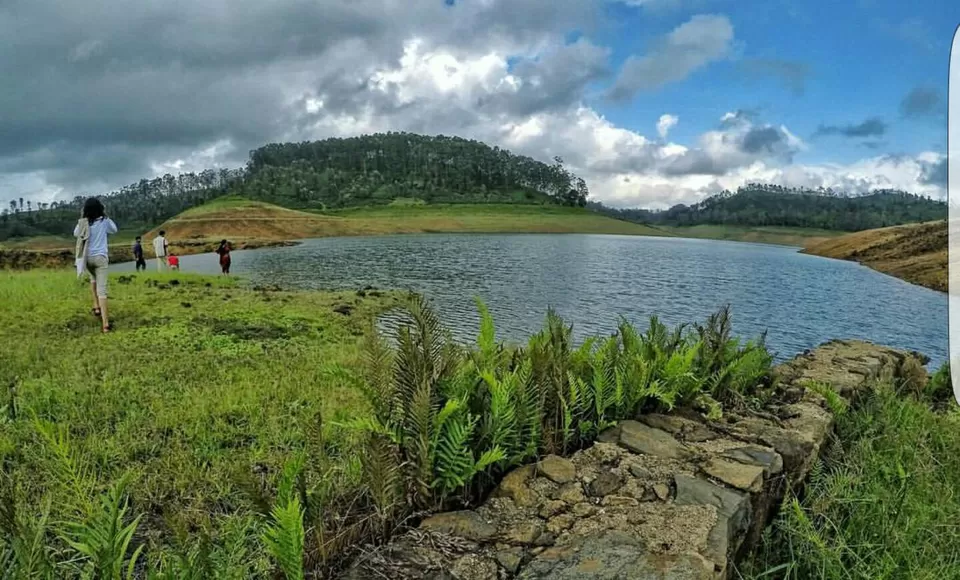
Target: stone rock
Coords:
[[739, 475], [770, 461], [510, 559], [523, 532], [684, 429], [611, 435], [604, 453], [641, 472], [811, 420], [571, 493], [514, 486], [605, 484], [795, 448], [733, 513], [466, 524], [614, 555], [560, 523], [545, 539], [583, 510], [474, 567], [557, 469], [661, 490], [551, 508], [640, 438], [619, 501]]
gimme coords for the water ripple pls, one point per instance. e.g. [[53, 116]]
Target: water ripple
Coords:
[[592, 280]]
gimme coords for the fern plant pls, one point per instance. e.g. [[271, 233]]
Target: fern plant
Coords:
[[284, 534], [284, 538], [103, 540]]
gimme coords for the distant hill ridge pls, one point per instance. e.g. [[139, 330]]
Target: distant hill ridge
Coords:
[[758, 204], [378, 169]]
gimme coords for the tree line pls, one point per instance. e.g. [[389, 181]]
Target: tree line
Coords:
[[757, 204], [326, 175]]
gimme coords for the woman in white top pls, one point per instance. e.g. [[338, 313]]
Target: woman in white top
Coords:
[[97, 227]]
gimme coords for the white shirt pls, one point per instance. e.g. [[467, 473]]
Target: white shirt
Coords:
[[160, 246], [99, 230]]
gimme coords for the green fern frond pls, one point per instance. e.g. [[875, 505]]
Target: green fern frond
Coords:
[[454, 461], [103, 540], [284, 538]]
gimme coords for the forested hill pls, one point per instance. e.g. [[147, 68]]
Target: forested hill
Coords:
[[772, 205], [329, 174], [376, 169]]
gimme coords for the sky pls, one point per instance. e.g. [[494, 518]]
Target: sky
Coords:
[[653, 102]]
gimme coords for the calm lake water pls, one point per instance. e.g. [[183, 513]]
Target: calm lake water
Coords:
[[592, 280]]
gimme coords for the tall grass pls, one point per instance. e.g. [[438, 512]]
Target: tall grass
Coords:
[[211, 456], [883, 503]]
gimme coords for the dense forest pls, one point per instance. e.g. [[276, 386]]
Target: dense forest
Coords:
[[324, 175], [376, 169], [758, 204]]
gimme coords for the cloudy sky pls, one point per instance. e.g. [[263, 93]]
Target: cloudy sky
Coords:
[[654, 102]]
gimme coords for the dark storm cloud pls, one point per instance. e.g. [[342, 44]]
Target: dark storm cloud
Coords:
[[872, 127], [762, 140], [923, 102], [791, 73], [151, 81], [693, 162], [935, 173]]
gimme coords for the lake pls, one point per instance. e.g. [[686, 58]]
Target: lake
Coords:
[[592, 280]]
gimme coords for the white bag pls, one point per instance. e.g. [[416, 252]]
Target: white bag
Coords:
[[81, 265]]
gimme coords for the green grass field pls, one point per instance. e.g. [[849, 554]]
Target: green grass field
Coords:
[[204, 388]]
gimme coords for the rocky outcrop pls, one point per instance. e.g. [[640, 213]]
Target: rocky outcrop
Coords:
[[662, 497]]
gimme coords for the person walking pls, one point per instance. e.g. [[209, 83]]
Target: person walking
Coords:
[[224, 252], [138, 255], [92, 253], [160, 250]]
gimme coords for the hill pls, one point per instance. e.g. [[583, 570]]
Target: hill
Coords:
[[252, 221], [325, 175], [759, 205], [916, 253]]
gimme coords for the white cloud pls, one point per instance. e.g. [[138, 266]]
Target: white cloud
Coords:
[[699, 41], [200, 91], [665, 123]]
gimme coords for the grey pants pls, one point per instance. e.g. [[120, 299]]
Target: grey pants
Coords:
[[97, 268]]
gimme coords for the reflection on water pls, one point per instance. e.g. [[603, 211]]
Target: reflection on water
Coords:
[[592, 280]]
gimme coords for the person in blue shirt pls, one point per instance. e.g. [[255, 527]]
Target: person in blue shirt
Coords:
[[138, 255]]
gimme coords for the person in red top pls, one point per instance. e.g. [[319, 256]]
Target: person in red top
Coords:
[[173, 262], [224, 252]]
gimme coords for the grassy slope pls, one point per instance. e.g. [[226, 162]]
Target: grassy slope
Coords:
[[201, 382], [916, 253], [885, 503], [785, 236], [241, 219]]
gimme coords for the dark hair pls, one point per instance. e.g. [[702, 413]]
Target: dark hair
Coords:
[[162, 232], [93, 209], [138, 238]]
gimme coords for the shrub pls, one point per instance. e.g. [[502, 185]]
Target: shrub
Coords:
[[447, 420]]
